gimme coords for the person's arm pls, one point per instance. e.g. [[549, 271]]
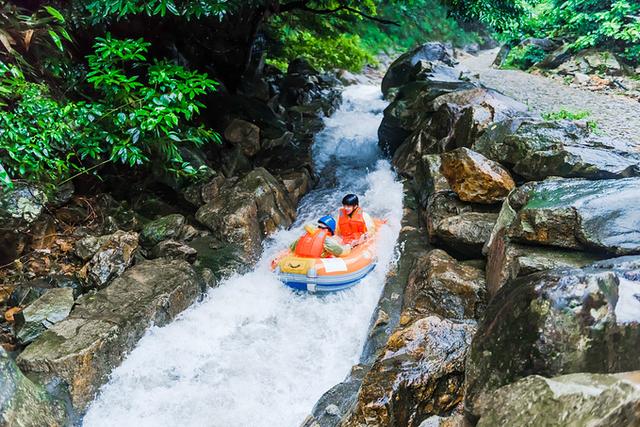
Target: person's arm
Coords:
[[369, 222], [335, 248]]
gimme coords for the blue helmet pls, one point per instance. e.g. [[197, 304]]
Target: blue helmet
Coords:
[[329, 222]]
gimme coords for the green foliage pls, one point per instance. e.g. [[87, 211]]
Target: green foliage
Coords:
[[564, 114], [137, 117], [523, 57], [102, 10]]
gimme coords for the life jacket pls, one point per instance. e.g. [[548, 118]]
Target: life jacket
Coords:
[[311, 245], [351, 227]]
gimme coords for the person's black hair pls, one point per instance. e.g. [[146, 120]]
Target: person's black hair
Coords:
[[350, 200]]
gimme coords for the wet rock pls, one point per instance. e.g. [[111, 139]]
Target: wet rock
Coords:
[[558, 321], [163, 228], [83, 349], [115, 254], [501, 56], [555, 58], [474, 177], [52, 307], [210, 190], [244, 134], [249, 211], [419, 374], [23, 403], [507, 261], [461, 228], [401, 71], [538, 149], [575, 214], [428, 178], [575, 400], [174, 250], [347, 78], [592, 61], [297, 184], [440, 285]]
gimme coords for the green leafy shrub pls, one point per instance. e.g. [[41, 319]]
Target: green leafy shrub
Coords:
[[524, 57], [564, 114], [143, 111]]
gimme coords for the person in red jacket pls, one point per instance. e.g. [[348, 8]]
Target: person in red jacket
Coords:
[[319, 241], [354, 224]]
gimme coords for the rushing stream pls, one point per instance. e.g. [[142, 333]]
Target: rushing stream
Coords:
[[255, 353]]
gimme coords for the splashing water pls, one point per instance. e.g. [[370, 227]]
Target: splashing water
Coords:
[[255, 353]]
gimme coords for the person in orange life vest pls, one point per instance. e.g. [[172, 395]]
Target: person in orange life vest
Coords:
[[354, 225], [319, 241]]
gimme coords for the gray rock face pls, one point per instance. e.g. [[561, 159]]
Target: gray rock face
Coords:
[[538, 149], [23, 403], [297, 184], [249, 211], [575, 400], [420, 374], [166, 227], [576, 214], [174, 250], [400, 71], [558, 321], [115, 254], [82, 349], [428, 178], [21, 206], [52, 307], [438, 284]]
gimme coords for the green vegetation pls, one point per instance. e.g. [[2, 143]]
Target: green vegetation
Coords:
[[523, 57], [563, 114]]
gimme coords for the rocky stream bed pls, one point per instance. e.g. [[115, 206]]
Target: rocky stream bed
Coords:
[[514, 299]]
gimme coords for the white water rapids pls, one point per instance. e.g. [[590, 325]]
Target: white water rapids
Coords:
[[255, 353]]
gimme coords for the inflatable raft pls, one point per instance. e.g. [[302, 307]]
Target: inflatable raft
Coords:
[[327, 274]]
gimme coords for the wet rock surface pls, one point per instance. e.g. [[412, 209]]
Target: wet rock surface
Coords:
[[24, 403], [537, 149], [557, 321], [419, 375], [574, 399], [115, 253], [160, 229], [82, 349], [52, 307]]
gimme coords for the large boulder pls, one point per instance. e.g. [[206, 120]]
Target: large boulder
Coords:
[[536, 149], [555, 322], [442, 120], [574, 214], [23, 403], [248, 211], [82, 350], [428, 178], [461, 228], [52, 307], [116, 252], [401, 70], [573, 400], [419, 374], [297, 183], [475, 178], [592, 61], [438, 284]]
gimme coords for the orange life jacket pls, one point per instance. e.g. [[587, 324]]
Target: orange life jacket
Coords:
[[311, 245], [351, 227]]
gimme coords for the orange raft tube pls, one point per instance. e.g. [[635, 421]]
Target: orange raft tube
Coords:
[[327, 274]]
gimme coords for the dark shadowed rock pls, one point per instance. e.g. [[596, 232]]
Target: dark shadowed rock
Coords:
[[174, 250], [474, 177], [538, 149], [419, 374], [558, 321], [428, 178], [23, 403], [163, 228], [439, 285], [297, 183], [401, 71], [574, 400], [83, 349], [244, 134]]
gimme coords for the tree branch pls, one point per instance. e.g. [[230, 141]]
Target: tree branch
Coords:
[[303, 5]]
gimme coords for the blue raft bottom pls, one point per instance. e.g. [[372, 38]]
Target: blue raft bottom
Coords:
[[301, 282]]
